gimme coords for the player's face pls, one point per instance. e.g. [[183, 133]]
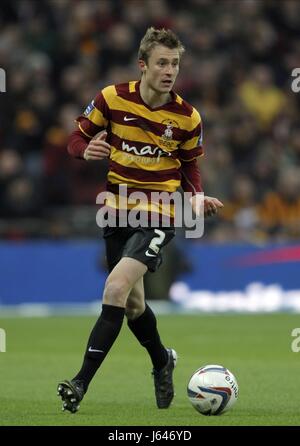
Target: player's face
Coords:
[[162, 68]]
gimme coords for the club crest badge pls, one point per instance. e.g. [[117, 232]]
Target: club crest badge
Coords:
[[167, 138], [168, 134]]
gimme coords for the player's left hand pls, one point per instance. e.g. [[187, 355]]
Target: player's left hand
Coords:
[[211, 205]]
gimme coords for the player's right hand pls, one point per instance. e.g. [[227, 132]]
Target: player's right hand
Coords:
[[98, 148]]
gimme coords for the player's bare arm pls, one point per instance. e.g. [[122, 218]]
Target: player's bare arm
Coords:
[[98, 148], [211, 205]]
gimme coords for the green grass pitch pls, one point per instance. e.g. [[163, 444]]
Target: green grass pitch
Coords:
[[256, 348]]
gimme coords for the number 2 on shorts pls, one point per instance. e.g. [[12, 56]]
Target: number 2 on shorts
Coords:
[[157, 241]]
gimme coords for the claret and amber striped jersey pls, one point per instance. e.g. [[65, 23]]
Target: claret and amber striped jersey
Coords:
[[147, 144]]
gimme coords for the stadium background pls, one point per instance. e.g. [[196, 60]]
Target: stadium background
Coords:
[[237, 72]]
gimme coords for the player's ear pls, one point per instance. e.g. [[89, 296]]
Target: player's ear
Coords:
[[142, 65]]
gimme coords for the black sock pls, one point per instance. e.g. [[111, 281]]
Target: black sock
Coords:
[[101, 338], [145, 330]]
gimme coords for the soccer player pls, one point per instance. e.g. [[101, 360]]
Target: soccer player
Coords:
[[152, 138]]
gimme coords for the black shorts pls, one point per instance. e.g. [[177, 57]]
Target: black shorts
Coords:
[[143, 244]]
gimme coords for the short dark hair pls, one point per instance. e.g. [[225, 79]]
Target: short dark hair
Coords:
[[154, 37]]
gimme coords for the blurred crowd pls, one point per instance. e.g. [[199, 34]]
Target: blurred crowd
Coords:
[[236, 71]]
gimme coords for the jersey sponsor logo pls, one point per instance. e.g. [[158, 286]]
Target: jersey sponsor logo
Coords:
[[89, 109], [146, 150]]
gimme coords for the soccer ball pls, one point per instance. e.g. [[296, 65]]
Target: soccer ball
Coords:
[[212, 390]]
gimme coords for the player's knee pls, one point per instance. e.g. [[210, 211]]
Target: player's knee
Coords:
[[115, 292], [135, 307], [133, 313]]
